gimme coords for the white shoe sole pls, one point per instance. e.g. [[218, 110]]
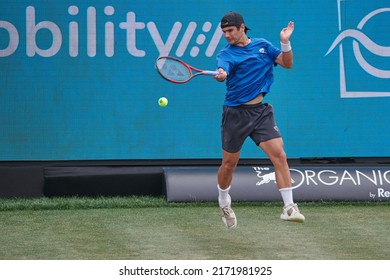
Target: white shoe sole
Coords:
[[226, 225], [298, 218]]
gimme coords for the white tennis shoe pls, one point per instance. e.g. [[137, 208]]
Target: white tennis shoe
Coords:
[[228, 217], [291, 213]]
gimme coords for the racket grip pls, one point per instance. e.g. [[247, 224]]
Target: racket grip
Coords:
[[210, 73]]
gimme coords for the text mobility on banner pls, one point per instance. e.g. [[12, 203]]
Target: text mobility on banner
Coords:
[[258, 183]]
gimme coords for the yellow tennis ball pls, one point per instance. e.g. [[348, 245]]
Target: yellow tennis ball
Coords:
[[163, 102]]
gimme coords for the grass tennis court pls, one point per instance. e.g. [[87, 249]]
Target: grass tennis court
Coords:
[[146, 228]]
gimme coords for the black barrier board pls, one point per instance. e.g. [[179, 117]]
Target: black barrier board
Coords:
[[258, 183]]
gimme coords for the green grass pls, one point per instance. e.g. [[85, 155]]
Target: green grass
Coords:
[[146, 228]]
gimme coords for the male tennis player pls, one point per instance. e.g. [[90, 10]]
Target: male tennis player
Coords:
[[246, 64]]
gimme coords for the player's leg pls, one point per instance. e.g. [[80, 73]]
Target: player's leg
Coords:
[[226, 170], [274, 149], [234, 130], [225, 177]]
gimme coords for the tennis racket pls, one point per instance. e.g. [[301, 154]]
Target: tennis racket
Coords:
[[176, 71]]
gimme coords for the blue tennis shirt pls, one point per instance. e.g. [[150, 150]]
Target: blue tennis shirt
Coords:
[[249, 69]]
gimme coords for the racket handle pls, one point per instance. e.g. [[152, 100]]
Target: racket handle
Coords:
[[210, 73]]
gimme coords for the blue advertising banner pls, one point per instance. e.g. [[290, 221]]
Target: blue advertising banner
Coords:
[[78, 80]]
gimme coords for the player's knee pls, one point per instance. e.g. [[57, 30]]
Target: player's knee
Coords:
[[229, 167], [279, 159]]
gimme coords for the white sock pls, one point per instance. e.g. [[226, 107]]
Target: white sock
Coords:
[[223, 196], [287, 196]]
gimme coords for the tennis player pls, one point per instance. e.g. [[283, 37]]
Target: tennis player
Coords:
[[246, 64]]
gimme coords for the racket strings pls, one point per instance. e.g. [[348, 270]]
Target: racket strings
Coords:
[[173, 70]]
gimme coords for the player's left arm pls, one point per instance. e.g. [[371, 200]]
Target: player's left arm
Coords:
[[285, 58]]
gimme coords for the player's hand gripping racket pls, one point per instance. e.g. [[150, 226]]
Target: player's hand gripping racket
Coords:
[[177, 71]]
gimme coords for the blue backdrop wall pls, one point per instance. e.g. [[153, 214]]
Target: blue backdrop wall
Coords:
[[78, 80]]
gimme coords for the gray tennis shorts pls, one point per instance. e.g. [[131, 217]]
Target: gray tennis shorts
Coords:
[[256, 121]]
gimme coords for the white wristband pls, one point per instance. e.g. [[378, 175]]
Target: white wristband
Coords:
[[285, 47]]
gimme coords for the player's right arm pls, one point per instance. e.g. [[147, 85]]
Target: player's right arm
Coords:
[[222, 75]]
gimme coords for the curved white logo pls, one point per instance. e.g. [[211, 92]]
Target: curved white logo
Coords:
[[361, 39], [367, 43]]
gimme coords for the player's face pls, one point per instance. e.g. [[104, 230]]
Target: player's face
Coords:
[[234, 35]]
